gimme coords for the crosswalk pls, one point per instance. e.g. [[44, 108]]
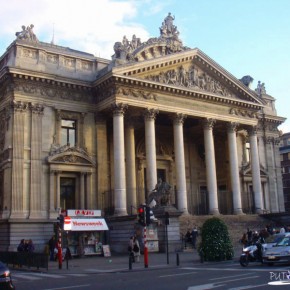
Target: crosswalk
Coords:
[[33, 276]]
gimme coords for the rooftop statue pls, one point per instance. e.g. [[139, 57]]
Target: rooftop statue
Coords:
[[27, 33], [167, 43], [260, 88]]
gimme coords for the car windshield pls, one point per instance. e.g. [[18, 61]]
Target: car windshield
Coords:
[[274, 239], [284, 242]]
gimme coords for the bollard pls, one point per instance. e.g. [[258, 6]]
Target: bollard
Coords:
[[130, 262], [201, 256], [177, 259]]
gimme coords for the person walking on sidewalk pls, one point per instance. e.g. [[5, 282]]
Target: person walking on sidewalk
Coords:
[[136, 249], [51, 244], [130, 249], [194, 235]]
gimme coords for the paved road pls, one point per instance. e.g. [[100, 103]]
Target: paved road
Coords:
[[113, 273]]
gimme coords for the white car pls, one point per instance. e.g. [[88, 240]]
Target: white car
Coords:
[[279, 253]]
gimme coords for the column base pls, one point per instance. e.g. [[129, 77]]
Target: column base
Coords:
[[259, 211], [120, 212], [238, 211], [214, 211]]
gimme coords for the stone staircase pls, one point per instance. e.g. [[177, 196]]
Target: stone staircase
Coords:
[[237, 225]]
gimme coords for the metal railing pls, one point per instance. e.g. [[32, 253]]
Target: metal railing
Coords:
[[31, 260]]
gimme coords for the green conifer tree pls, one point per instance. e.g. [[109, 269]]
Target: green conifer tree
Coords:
[[215, 244]]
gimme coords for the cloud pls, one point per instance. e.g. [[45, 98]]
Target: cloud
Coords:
[[87, 25]]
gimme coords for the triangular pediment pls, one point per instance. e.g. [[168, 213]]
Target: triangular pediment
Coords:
[[189, 70], [70, 155]]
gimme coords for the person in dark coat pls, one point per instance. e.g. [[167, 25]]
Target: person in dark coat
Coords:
[[194, 235], [51, 244], [21, 246]]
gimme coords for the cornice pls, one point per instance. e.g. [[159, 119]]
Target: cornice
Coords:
[[173, 90]]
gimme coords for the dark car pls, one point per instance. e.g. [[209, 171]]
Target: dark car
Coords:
[[5, 278]]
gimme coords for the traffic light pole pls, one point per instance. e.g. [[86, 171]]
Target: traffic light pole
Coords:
[[145, 248], [59, 247]]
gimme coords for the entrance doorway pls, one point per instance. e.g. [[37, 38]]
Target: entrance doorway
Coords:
[[67, 193]]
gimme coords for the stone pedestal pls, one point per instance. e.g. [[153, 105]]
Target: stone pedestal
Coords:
[[172, 230]]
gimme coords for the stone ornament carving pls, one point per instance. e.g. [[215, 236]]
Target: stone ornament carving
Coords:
[[179, 119], [137, 94], [54, 92], [27, 34], [19, 106], [191, 77], [37, 109], [29, 53], [260, 90], [243, 113], [67, 154], [167, 43]]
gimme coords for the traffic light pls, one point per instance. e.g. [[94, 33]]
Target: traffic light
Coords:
[[61, 221], [142, 215], [149, 215]]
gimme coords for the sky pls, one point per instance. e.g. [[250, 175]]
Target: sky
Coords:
[[245, 37]]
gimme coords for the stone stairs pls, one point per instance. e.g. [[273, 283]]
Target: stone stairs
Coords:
[[237, 225]]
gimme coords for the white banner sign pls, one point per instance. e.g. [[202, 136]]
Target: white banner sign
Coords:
[[73, 224], [84, 212]]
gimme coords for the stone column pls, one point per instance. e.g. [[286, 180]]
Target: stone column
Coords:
[[119, 159], [130, 167], [180, 163], [36, 160], [82, 190], [18, 208], [210, 166], [234, 168], [57, 137], [151, 169], [255, 165]]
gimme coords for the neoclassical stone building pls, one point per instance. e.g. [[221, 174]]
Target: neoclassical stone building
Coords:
[[82, 132]]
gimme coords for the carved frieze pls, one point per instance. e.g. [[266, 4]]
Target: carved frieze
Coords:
[[190, 76], [52, 58], [54, 92], [137, 93], [29, 53], [243, 113]]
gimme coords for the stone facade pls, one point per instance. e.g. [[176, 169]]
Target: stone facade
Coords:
[[78, 131]]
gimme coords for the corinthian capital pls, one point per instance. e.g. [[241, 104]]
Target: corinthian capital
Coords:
[[119, 109], [208, 123], [179, 119], [232, 127], [150, 114]]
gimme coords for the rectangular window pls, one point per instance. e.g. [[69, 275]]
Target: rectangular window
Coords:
[[68, 132]]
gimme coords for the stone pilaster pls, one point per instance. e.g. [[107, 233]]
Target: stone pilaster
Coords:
[[17, 203], [36, 160]]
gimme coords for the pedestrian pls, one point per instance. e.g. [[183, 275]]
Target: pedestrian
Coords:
[[30, 246], [194, 235], [249, 235], [130, 249], [51, 244], [244, 240], [136, 249], [21, 246], [188, 236]]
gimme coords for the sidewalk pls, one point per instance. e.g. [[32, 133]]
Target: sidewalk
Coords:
[[120, 263]]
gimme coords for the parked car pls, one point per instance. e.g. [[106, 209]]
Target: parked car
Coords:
[[279, 253], [271, 241], [5, 278]]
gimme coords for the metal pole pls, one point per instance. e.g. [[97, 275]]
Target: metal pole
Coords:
[[166, 237], [59, 252], [145, 249]]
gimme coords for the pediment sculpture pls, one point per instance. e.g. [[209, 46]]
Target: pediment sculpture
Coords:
[[27, 33], [167, 43]]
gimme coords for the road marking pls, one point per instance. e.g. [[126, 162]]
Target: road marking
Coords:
[[24, 277], [47, 275], [232, 276], [204, 286], [77, 275], [69, 287], [248, 287], [177, 274], [231, 280]]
